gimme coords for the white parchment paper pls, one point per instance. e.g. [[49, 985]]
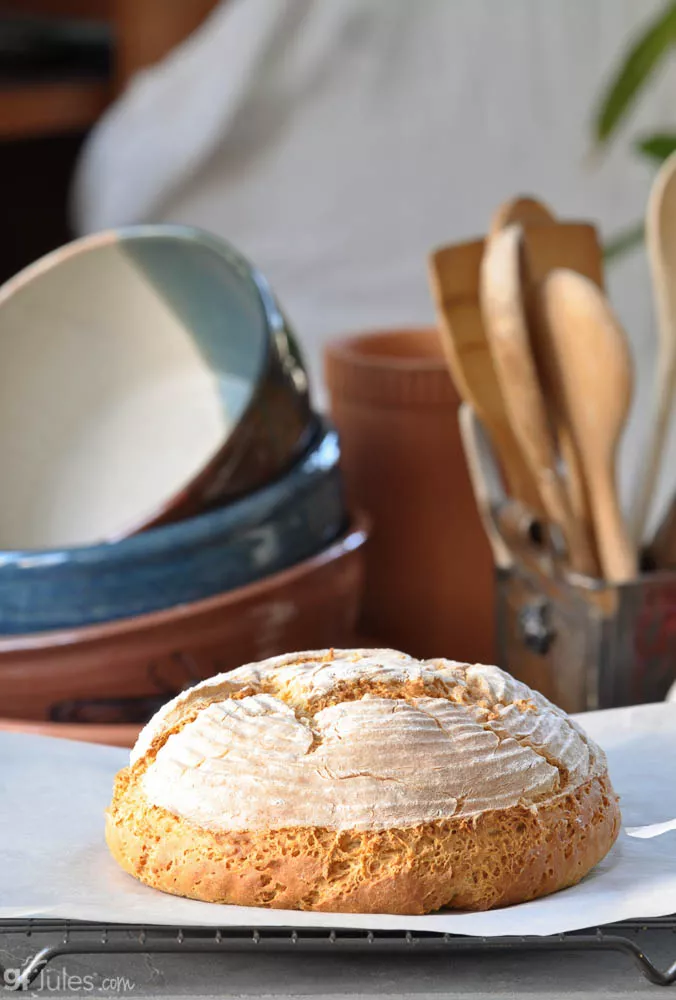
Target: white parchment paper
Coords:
[[54, 862]]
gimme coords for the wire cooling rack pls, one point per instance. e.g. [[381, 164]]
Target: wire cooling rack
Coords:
[[79, 938]]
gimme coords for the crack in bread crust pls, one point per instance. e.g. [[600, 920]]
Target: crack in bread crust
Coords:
[[506, 800], [264, 678]]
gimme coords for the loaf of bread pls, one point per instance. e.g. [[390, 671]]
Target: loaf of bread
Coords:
[[362, 781]]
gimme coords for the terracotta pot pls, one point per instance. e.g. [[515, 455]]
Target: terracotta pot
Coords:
[[429, 573], [122, 671]]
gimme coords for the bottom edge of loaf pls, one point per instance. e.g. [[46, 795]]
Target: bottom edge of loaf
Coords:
[[496, 858]]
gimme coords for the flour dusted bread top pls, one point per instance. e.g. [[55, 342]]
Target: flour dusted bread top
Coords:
[[362, 781], [357, 739]]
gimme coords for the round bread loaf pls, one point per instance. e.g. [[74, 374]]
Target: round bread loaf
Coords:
[[362, 781]]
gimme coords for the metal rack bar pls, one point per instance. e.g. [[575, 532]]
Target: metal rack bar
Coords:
[[94, 939]]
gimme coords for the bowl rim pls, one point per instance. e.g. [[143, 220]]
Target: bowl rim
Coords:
[[354, 536], [270, 311], [322, 454], [270, 315]]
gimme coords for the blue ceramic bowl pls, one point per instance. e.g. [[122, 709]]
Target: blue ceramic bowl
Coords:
[[289, 520]]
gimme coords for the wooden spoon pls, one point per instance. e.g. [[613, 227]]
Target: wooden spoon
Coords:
[[454, 274], [575, 245], [454, 280], [661, 242], [506, 324], [586, 370]]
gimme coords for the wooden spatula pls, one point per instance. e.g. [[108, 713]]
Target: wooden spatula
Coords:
[[454, 280], [573, 245], [550, 242], [586, 370], [661, 243], [568, 244], [504, 312], [525, 210]]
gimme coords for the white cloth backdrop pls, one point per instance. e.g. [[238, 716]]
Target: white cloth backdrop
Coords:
[[336, 141]]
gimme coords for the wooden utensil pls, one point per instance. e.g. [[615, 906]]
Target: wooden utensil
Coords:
[[454, 280], [586, 370], [661, 242], [549, 242], [574, 245], [507, 328], [454, 273], [525, 210]]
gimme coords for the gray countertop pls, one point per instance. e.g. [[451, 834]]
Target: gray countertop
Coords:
[[408, 972]]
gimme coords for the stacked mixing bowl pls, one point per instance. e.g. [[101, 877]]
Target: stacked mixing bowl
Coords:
[[172, 505]]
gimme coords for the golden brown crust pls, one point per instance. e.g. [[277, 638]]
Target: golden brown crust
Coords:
[[548, 817], [496, 858]]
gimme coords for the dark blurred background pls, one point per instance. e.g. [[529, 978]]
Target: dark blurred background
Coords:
[[61, 63]]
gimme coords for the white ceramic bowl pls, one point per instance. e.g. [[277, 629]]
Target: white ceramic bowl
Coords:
[[144, 373]]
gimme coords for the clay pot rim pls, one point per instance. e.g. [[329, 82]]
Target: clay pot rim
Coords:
[[381, 379], [341, 349]]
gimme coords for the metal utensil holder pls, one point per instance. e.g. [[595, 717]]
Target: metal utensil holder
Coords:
[[583, 643], [588, 645]]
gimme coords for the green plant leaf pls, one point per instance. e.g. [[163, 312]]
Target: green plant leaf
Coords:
[[624, 241], [656, 147], [639, 63]]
